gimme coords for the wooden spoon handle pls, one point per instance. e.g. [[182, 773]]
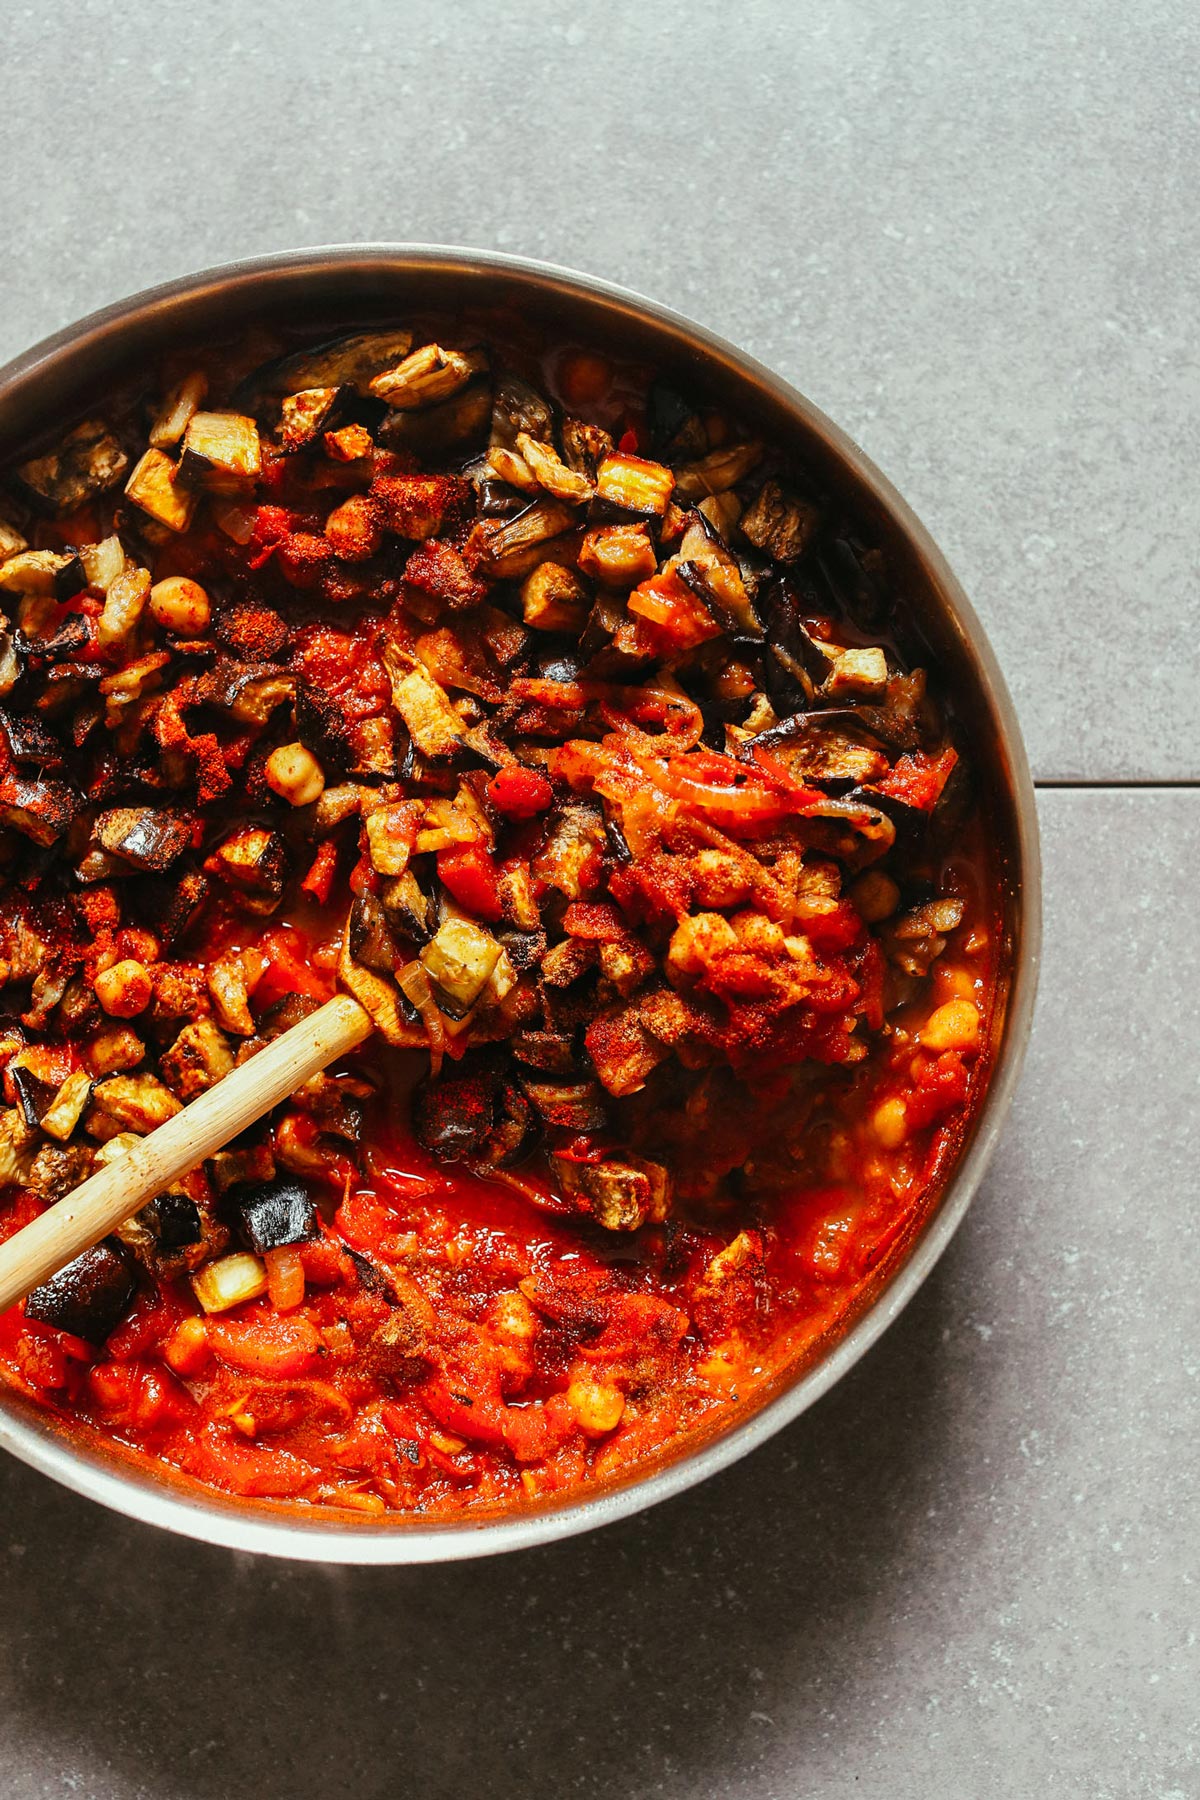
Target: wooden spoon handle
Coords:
[[118, 1190]]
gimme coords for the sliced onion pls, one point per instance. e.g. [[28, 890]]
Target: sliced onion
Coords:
[[413, 982]]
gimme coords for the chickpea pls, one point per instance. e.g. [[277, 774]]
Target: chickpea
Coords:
[[720, 879], [124, 989], [111, 1051], [597, 1406], [954, 982], [757, 932], [295, 775], [875, 895], [890, 1124], [697, 940], [954, 1026], [181, 606]]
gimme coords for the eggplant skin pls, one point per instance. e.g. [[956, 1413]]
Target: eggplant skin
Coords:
[[175, 1221], [270, 1214], [88, 461], [90, 1297]]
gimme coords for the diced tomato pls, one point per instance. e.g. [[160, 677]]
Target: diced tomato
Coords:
[[227, 1461], [918, 780], [141, 1396], [151, 1321], [834, 930], [519, 792], [289, 970], [468, 872], [265, 1345], [940, 1086]]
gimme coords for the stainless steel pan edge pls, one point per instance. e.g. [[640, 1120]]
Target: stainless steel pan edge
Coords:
[[361, 278]]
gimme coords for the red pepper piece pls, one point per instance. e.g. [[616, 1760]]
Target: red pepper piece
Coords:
[[468, 872], [519, 793]]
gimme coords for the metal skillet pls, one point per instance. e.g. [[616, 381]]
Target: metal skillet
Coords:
[[373, 283]]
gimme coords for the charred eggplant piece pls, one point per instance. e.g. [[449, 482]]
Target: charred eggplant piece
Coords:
[[174, 1220], [497, 500], [351, 362], [41, 810], [253, 861], [43, 573], [168, 904], [321, 727], [29, 741], [91, 1296], [453, 1117], [306, 415], [87, 462], [517, 407], [142, 836], [221, 452], [153, 487], [796, 665], [567, 1105], [271, 1214], [719, 470], [585, 447], [458, 427], [426, 377], [676, 428], [621, 1194], [779, 524], [407, 908], [34, 1097], [370, 940], [852, 581]]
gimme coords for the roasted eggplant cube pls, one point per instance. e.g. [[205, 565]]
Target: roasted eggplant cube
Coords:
[[407, 907], [457, 426], [370, 942], [429, 375], [175, 1221], [46, 574], [620, 1193], [270, 1214], [459, 961], [87, 462], [453, 1117], [433, 724], [153, 487], [309, 413], [41, 810], [90, 1297], [29, 741], [254, 863], [779, 524], [143, 836], [351, 362], [221, 452], [630, 484]]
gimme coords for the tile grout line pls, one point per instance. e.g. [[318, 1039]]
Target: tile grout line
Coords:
[[1052, 784]]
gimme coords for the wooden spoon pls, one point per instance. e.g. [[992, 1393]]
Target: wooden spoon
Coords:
[[118, 1190]]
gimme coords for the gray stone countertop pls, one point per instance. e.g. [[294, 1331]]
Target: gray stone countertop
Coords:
[[971, 235]]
